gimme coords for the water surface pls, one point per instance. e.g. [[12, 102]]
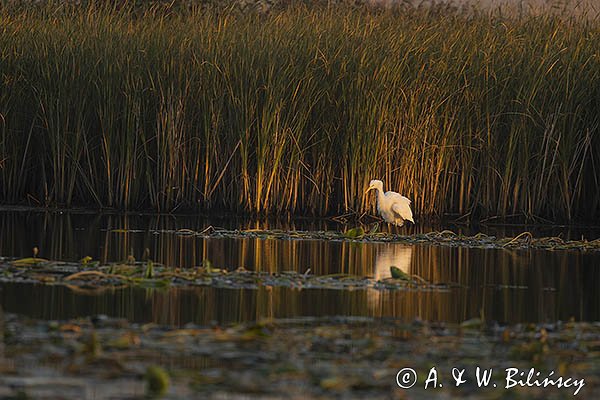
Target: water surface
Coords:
[[507, 286]]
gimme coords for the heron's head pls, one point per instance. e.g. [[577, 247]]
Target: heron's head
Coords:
[[375, 184]]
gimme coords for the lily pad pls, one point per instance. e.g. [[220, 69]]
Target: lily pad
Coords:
[[355, 233], [397, 273], [157, 381], [29, 261]]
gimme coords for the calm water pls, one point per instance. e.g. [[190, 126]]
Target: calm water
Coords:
[[500, 285]]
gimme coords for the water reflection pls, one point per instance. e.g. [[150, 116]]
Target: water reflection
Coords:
[[502, 285], [207, 305], [393, 255], [109, 238]]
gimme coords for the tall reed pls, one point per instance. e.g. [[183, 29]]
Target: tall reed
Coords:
[[296, 110]]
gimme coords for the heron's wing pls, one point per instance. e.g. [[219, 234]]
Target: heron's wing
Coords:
[[402, 208]]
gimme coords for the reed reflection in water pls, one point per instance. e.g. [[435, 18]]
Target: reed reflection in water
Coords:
[[112, 238], [210, 305], [498, 284]]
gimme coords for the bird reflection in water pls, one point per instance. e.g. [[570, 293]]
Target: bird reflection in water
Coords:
[[388, 255], [392, 255]]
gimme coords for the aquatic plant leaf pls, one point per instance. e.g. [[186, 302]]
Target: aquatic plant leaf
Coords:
[[151, 283], [85, 260], [157, 381], [125, 341], [92, 347], [208, 267], [256, 332], [29, 261], [355, 233], [473, 323], [397, 273], [335, 383], [149, 271]]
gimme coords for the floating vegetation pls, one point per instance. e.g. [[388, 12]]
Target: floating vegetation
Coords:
[[524, 240], [157, 381], [333, 357], [397, 273], [88, 273], [154, 275], [149, 270], [355, 233], [31, 261]]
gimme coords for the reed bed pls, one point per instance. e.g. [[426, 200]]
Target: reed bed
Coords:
[[295, 110]]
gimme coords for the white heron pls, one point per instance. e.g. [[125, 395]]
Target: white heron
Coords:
[[393, 207]]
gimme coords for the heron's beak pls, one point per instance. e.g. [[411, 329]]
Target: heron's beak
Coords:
[[370, 188]]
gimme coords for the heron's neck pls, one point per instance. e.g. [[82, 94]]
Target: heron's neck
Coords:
[[380, 196]]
